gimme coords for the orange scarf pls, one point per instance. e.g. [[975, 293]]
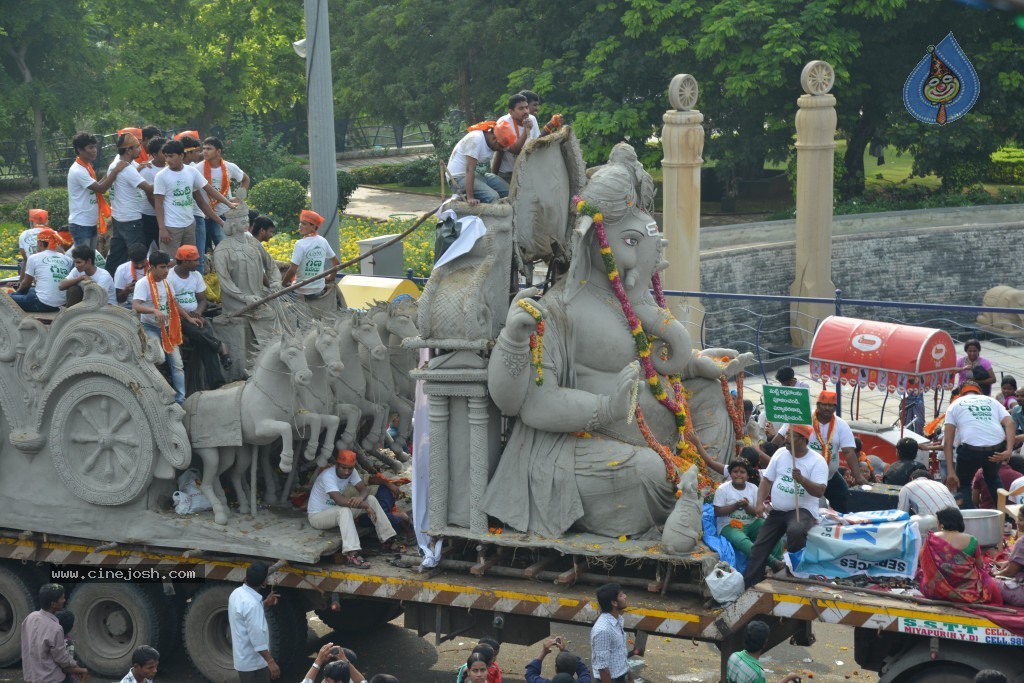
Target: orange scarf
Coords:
[[826, 443], [145, 270], [208, 174], [101, 201], [170, 334]]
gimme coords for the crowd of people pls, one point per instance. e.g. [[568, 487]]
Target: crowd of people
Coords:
[[168, 201], [973, 442]]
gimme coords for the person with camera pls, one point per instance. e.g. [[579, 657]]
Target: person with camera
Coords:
[[568, 667], [333, 662]]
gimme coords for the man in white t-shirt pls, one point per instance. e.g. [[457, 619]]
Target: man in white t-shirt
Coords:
[[177, 189], [533, 102], [789, 487], [734, 512], [220, 175], [87, 207], [150, 228], [526, 129], [985, 431], [129, 193], [328, 506], [310, 256], [468, 162], [160, 317], [38, 291], [190, 293], [85, 270], [130, 273], [38, 220], [830, 434]]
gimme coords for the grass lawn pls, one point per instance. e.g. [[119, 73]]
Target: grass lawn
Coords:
[[434, 189]]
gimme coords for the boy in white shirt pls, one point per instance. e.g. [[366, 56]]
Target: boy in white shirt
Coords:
[[129, 273], [474, 150], [734, 512], [220, 174], [38, 291], [793, 479], [177, 189], [38, 220], [88, 210], [328, 507], [154, 301], [130, 191], [150, 228], [525, 127], [85, 270], [310, 256], [190, 293]]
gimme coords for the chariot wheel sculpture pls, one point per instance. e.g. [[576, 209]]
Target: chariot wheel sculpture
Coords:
[[101, 442], [817, 78], [682, 92]]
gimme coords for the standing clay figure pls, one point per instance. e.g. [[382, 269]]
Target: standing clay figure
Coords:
[[239, 267], [576, 458]]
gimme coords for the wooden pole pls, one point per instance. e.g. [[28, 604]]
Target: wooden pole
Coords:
[[334, 269], [796, 486]]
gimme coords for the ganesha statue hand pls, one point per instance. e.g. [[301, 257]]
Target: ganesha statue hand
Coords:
[[568, 366]]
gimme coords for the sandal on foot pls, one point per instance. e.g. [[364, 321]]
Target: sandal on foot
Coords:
[[356, 561]]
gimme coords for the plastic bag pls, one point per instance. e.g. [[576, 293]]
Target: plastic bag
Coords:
[[725, 583], [188, 499], [212, 287]]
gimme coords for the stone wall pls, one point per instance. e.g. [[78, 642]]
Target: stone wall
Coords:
[[950, 265]]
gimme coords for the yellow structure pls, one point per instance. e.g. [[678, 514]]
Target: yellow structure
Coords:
[[361, 291]]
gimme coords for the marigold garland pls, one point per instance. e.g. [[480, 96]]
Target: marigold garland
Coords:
[[536, 339], [686, 454], [735, 414]]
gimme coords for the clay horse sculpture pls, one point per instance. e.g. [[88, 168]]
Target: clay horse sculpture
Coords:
[[943, 86]]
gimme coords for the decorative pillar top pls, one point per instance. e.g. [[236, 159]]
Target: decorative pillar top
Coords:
[[817, 78], [683, 91]]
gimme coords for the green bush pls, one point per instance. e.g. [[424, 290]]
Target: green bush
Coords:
[[255, 153], [378, 174], [294, 172], [420, 173], [54, 200], [1007, 167], [280, 198], [11, 213], [346, 186]]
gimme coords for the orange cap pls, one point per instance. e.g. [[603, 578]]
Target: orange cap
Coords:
[[187, 252], [65, 238], [505, 134], [49, 236], [38, 216], [311, 217], [802, 430], [969, 389], [346, 458], [137, 132], [179, 136], [827, 397]]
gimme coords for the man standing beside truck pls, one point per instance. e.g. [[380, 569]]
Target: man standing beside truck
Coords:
[[250, 636], [44, 654]]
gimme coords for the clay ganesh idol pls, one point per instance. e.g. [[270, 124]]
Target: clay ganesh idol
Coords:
[[577, 457]]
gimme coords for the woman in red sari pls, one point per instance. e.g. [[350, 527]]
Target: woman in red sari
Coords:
[[951, 565]]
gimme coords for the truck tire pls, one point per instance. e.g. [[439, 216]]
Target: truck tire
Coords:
[[111, 620], [290, 612], [941, 672], [360, 615], [206, 633], [18, 593]]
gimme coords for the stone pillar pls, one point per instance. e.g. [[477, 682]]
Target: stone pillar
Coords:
[[815, 150], [438, 508], [479, 462], [683, 141]]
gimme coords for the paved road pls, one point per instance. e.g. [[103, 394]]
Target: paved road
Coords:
[[396, 650]]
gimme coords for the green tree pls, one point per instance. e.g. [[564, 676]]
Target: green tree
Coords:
[[52, 66]]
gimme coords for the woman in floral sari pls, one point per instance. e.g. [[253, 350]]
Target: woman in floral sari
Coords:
[[951, 566]]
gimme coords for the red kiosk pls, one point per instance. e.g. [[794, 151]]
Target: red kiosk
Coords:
[[886, 356]]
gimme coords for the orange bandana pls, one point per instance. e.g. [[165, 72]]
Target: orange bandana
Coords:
[[170, 334], [100, 199], [145, 270], [208, 174]]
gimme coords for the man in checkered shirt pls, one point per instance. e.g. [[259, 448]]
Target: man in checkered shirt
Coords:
[[608, 639]]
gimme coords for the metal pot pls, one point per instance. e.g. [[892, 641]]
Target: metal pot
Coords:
[[984, 525]]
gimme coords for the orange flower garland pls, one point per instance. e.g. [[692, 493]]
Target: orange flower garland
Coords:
[[735, 414]]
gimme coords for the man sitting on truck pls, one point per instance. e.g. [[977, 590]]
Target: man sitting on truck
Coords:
[[328, 507]]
